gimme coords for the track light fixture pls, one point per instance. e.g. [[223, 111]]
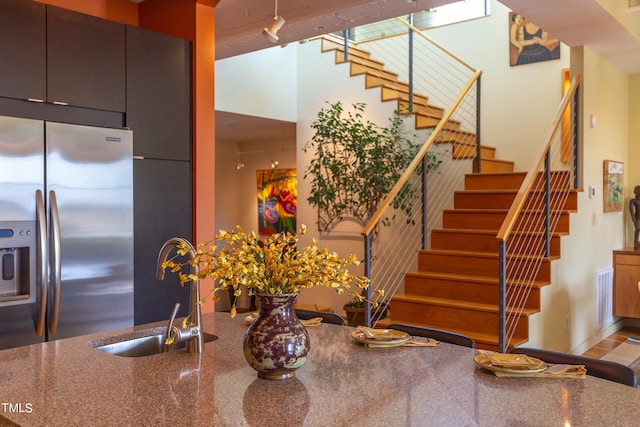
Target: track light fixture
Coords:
[[271, 33]]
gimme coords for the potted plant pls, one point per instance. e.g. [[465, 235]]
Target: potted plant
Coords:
[[356, 163]]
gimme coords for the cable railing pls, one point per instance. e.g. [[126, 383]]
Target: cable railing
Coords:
[[443, 96], [538, 211]]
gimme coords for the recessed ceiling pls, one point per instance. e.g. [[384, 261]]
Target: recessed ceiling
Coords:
[[242, 128]]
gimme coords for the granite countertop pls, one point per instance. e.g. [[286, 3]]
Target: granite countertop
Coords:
[[67, 382]]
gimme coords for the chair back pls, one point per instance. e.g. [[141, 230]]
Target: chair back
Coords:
[[437, 334], [605, 369], [326, 316]]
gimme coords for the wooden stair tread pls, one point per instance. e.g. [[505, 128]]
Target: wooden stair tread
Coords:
[[452, 302], [513, 191], [478, 254], [505, 211], [489, 280], [493, 232]]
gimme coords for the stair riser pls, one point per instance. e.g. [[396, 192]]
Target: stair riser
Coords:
[[480, 266], [388, 94], [449, 318], [427, 122], [466, 200], [468, 150], [375, 81], [425, 110], [494, 220], [463, 241], [357, 69], [463, 137], [493, 165], [512, 181], [329, 45], [464, 291]]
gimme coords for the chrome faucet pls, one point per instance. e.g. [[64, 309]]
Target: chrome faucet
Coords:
[[192, 333]]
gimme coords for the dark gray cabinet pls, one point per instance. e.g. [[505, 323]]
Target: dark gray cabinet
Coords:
[[23, 49], [162, 209], [57, 56], [159, 113], [85, 60], [159, 94]]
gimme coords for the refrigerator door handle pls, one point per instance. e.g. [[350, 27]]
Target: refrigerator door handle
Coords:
[[42, 279], [54, 231]]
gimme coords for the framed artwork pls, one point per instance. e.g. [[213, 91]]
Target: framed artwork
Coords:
[[613, 191], [529, 43], [277, 200]]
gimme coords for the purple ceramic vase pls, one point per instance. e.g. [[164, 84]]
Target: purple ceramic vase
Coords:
[[276, 344]]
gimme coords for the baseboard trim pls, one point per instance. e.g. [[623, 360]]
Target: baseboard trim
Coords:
[[601, 335]]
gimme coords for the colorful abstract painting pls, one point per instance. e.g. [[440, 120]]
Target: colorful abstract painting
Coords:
[[277, 200]]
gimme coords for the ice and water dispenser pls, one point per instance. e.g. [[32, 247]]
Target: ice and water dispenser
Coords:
[[17, 269]]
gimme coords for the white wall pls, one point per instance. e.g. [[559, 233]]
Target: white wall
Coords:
[[594, 234], [518, 103], [261, 83]]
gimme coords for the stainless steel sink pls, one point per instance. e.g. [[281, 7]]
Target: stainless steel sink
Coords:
[[145, 346]]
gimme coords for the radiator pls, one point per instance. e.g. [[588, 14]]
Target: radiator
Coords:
[[604, 297]]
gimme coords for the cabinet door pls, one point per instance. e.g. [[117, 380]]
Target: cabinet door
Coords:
[[159, 94], [85, 60], [162, 210], [22, 49], [626, 292]]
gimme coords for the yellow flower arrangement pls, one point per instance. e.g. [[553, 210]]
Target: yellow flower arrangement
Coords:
[[272, 266]]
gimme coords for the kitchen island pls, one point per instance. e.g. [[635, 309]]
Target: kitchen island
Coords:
[[67, 382]]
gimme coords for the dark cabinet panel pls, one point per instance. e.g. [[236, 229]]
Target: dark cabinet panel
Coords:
[[159, 94], [22, 49], [85, 60], [162, 210]]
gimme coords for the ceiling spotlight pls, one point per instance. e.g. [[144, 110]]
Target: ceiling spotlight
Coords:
[[239, 166], [275, 164], [271, 33]]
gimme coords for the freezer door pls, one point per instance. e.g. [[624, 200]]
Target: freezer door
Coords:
[[90, 174], [22, 167], [21, 175]]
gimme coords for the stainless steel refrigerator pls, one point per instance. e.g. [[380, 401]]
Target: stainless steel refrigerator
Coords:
[[66, 230]]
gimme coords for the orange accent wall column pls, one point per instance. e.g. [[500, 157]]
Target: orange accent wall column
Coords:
[[204, 154]]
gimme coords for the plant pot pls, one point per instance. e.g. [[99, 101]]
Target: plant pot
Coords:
[[276, 344], [355, 316]]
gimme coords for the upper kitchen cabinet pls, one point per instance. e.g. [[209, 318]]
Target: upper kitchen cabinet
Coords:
[[159, 94], [56, 56], [85, 60], [23, 49]]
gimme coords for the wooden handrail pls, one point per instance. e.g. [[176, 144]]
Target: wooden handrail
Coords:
[[377, 216], [529, 179], [430, 40]]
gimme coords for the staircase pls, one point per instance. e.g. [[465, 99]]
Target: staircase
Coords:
[[456, 285]]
